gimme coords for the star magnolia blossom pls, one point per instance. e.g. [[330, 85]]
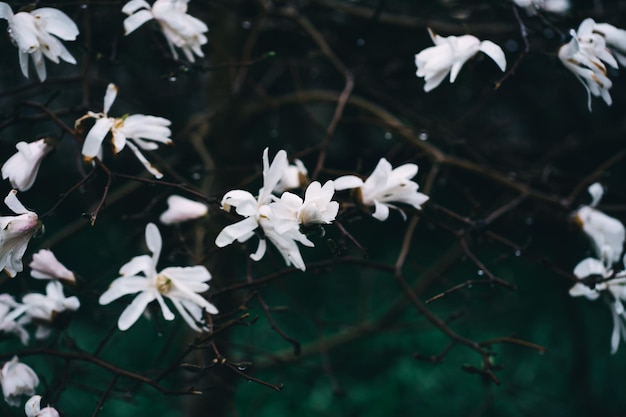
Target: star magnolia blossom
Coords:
[[450, 54], [553, 6], [614, 284], [385, 185], [15, 233], [586, 55], [180, 29], [46, 266], [181, 209], [21, 168], [607, 234], [180, 285], [33, 408], [44, 309], [134, 131], [35, 34], [17, 379], [279, 219]]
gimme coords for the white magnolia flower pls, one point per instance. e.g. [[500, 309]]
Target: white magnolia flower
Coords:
[[615, 39], [21, 168], [586, 55], [17, 379], [180, 29], [35, 34], [607, 234], [293, 177], [135, 131], [612, 285], [182, 286], [450, 54], [316, 208], [33, 408], [46, 266], [283, 232], [385, 185], [181, 209], [552, 6], [12, 319], [15, 233], [44, 309]]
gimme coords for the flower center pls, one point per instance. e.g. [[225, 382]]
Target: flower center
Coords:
[[163, 284]]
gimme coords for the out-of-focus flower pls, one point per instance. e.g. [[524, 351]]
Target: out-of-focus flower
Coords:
[[135, 131], [21, 168], [585, 55], [12, 319], [615, 39], [46, 266], [15, 233], [180, 29], [43, 309], [612, 285], [294, 176], [607, 234], [317, 208], [35, 34], [385, 185], [181, 209], [181, 285], [33, 408], [450, 54], [552, 6], [17, 379]]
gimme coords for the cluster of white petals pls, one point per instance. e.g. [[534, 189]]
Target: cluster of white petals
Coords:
[[46, 266], [135, 131], [37, 33], [450, 54], [182, 209], [44, 308], [21, 168], [279, 218], [293, 177], [592, 46], [17, 379], [552, 6], [15, 233], [33, 408], [384, 186], [180, 29], [181, 285], [612, 285]]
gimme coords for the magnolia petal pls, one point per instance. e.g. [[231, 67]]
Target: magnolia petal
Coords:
[[347, 182], [123, 286], [381, 211], [14, 204], [56, 23], [136, 265], [596, 191], [95, 137], [494, 52], [133, 5], [589, 266], [5, 11], [154, 241], [146, 164], [236, 231], [260, 251], [135, 21], [131, 313]]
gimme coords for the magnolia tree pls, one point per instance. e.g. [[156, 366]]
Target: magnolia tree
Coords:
[[298, 198]]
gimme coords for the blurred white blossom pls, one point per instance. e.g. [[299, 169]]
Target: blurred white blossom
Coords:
[[43, 309], [37, 33], [46, 266], [135, 131], [181, 209], [12, 318], [33, 408], [384, 186], [21, 168], [17, 379], [294, 176], [181, 285], [15, 233], [615, 39], [612, 284], [586, 55], [180, 29], [450, 54], [607, 234]]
